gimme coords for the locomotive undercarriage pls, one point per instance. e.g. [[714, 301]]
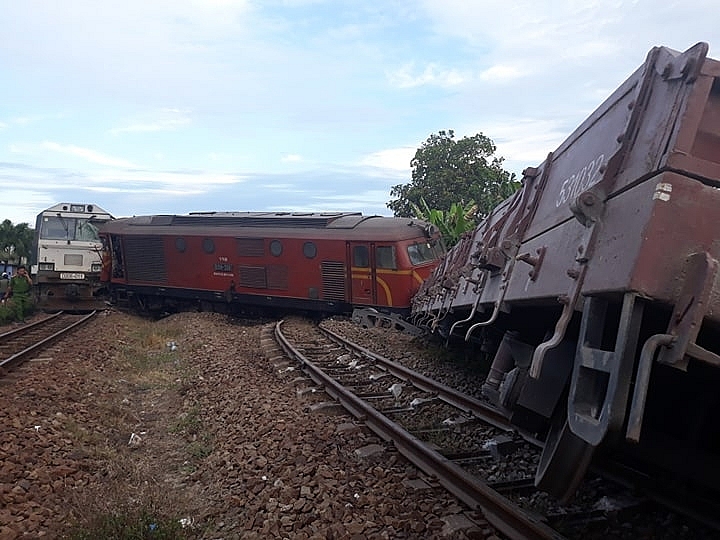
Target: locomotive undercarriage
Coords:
[[161, 301], [584, 403], [69, 297]]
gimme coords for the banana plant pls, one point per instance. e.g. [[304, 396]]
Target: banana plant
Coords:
[[451, 223]]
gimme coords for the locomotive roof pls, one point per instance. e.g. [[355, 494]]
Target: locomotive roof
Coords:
[[291, 224], [75, 208]]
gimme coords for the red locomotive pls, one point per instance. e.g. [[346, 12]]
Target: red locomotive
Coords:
[[233, 261], [595, 289]]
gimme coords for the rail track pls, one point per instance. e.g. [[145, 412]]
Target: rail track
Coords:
[[370, 386], [20, 342], [464, 443]]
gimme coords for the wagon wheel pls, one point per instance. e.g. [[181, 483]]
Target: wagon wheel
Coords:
[[564, 459]]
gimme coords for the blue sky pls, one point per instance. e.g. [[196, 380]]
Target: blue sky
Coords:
[[162, 106]]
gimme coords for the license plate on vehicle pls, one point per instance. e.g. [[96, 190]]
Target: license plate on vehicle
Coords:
[[72, 275]]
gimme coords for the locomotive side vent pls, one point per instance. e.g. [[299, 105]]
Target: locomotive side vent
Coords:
[[333, 278], [277, 277], [253, 277], [250, 247], [145, 259]]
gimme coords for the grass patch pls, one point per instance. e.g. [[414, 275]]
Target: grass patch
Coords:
[[132, 503], [133, 525], [7, 312], [200, 449], [149, 349], [189, 423]]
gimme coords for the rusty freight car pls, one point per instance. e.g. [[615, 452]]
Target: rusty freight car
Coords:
[[593, 292], [240, 261]]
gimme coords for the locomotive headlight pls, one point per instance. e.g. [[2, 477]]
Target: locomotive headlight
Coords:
[[95, 267], [46, 266]]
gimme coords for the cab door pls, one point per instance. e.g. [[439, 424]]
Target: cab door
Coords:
[[363, 281]]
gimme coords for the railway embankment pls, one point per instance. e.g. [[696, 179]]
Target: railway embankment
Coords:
[[183, 425]]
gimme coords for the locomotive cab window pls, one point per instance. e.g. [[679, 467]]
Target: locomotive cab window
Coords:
[[425, 252], [361, 257], [62, 228], [385, 257], [208, 245]]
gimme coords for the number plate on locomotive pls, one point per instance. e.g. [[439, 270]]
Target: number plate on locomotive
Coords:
[[72, 275]]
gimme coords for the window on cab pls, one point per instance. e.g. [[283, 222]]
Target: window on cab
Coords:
[[425, 252], [61, 228], [385, 257], [361, 257]]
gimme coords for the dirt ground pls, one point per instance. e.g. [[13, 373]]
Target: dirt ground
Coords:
[[186, 422]]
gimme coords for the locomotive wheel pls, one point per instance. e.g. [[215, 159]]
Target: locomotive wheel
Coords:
[[564, 459]]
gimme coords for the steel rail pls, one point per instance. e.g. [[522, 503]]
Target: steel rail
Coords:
[[508, 518], [11, 361], [477, 408]]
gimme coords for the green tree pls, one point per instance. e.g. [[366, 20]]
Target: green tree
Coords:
[[16, 241], [446, 171]]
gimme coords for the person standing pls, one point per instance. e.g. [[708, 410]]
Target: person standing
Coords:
[[4, 282], [19, 289]]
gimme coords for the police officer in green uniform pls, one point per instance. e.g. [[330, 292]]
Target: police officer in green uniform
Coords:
[[19, 289]]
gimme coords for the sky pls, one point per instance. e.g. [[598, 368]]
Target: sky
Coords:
[[175, 106]]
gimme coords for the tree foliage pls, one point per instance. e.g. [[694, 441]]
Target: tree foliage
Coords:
[[451, 223], [16, 241], [446, 171]]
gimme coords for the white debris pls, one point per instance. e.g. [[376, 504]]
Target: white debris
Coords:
[[135, 440], [186, 522], [396, 390], [455, 421], [419, 401]]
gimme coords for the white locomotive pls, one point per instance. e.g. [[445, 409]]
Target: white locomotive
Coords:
[[67, 256]]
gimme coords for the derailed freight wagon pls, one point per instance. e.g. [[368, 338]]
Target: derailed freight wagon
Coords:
[[594, 289]]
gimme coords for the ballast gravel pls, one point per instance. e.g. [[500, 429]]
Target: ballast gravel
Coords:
[[190, 420]]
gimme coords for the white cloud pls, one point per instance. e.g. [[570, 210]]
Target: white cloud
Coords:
[[147, 191], [501, 74], [431, 75], [397, 159], [163, 120], [88, 155], [525, 142], [194, 179], [288, 158]]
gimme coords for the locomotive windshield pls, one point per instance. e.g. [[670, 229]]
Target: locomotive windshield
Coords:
[[425, 252], [64, 228]]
